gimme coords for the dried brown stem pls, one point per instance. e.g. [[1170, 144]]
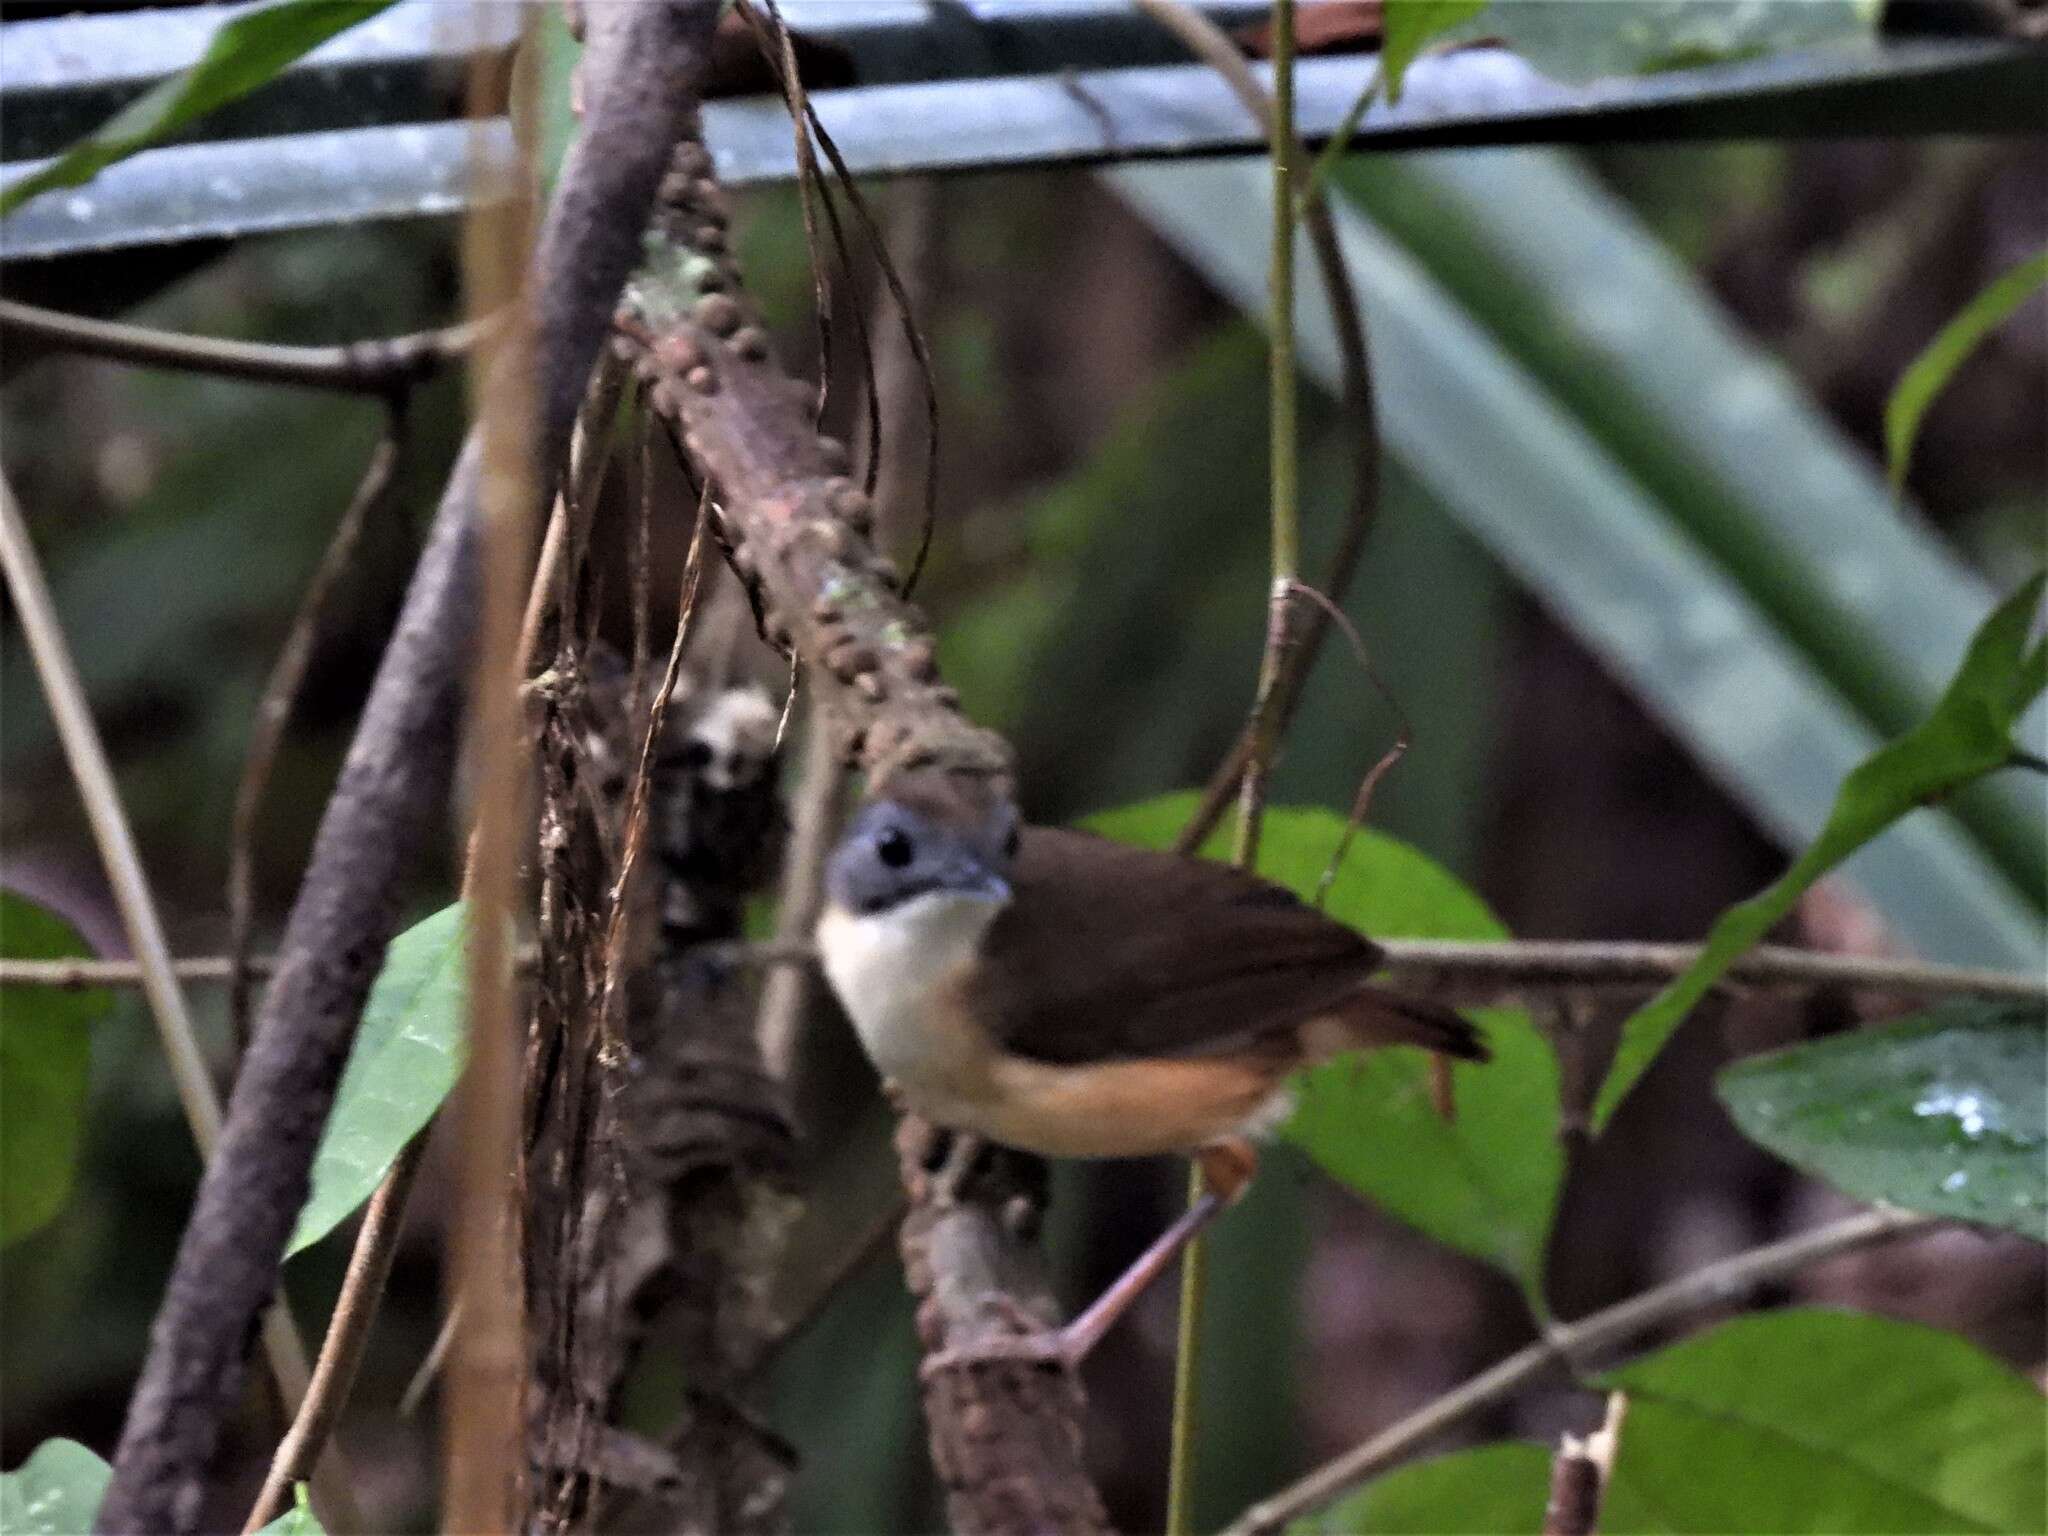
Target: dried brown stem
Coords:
[[348, 1331], [1580, 1473], [1573, 1345], [274, 708], [387, 367]]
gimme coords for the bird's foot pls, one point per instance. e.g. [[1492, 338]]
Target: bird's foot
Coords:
[[1049, 1347]]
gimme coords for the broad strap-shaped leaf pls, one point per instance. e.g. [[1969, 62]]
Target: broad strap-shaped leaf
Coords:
[[247, 52], [1409, 26], [56, 1492], [1930, 372], [1485, 1182], [45, 1064], [1968, 735], [407, 1054], [1944, 1112], [1812, 1420]]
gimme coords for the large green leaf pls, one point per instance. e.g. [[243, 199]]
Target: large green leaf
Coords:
[[1945, 1112], [1409, 26], [45, 1061], [1809, 1420], [407, 1055], [247, 52], [55, 1492], [1968, 735], [1793, 1421], [1490, 1490], [1931, 370], [1485, 1182]]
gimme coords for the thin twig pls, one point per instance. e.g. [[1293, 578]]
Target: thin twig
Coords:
[[1264, 728], [274, 709], [90, 771], [1479, 973], [1580, 1473], [1573, 1345], [205, 969], [1212, 45], [383, 367], [348, 1331]]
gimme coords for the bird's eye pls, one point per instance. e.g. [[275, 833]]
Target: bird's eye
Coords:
[[1011, 842], [893, 848]]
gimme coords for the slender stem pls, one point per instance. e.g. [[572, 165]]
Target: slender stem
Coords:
[[380, 367], [348, 1332], [94, 777], [1286, 538], [273, 710], [1713, 1285], [1489, 972]]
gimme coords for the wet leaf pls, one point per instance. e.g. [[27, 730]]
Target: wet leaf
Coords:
[[1946, 1112], [1931, 370], [246, 52], [1968, 735], [407, 1055], [56, 1492], [45, 1062], [1486, 1182]]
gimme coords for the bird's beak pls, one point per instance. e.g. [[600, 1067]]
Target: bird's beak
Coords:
[[968, 876]]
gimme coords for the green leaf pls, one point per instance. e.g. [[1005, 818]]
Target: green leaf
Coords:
[[1409, 26], [1487, 1182], [1810, 1420], [299, 1520], [1968, 735], [45, 1062], [1931, 370], [56, 1492], [1946, 1112], [407, 1055], [245, 53], [1800, 1420]]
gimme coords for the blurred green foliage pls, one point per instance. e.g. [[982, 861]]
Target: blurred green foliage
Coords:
[[45, 1060]]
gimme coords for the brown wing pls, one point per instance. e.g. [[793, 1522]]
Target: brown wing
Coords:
[[1128, 953]]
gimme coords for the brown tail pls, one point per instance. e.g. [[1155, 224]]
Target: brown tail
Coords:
[[1372, 1017]]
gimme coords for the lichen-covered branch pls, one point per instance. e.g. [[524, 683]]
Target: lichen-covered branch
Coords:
[[1006, 1439]]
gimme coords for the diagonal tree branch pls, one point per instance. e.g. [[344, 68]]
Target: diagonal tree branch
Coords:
[[392, 782]]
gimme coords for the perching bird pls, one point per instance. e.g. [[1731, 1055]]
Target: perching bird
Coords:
[[1071, 996]]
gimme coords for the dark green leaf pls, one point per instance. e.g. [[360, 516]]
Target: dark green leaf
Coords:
[[1968, 735], [56, 1492], [245, 53], [407, 1055], [1409, 26], [1946, 1112], [1485, 1182], [45, 1060], [1930, 371], [1808, 1420]]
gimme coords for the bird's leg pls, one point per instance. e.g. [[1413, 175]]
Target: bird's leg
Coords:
[[1227, 1169]]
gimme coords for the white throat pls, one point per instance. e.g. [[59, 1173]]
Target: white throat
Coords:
[[890, 970]]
